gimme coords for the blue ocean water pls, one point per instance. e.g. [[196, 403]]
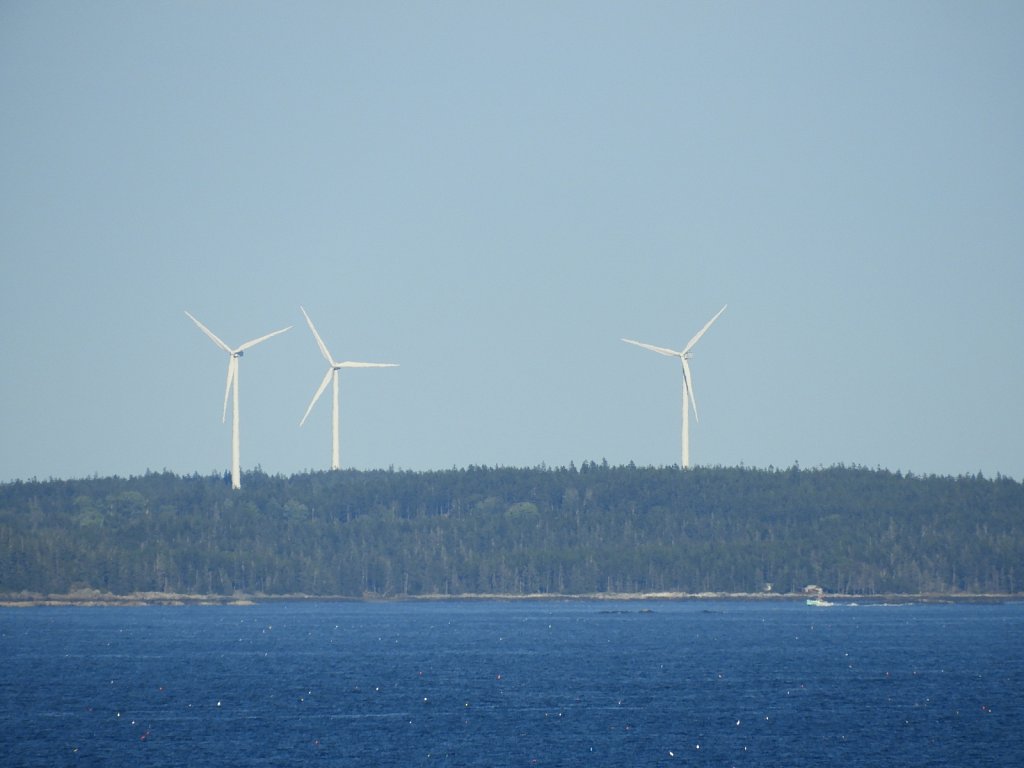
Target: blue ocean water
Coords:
[[513, 684]]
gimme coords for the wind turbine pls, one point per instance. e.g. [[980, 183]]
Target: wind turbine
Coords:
[[232, 384], [332, 375], [684, 357]]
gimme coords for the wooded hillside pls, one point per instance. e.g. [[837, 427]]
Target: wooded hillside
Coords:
[[590, 529]]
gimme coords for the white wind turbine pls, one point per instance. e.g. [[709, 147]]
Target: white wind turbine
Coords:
[[684, 357], [332, 375], [232, 384]]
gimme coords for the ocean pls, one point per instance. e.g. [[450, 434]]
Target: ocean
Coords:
[[517, 683]]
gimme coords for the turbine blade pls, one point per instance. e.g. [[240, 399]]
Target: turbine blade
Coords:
[[688, 383], [319, 341], [659, 350], [211, 334], [701, 332], [320, 391], [254, 342], [232, 366], [350, 364]]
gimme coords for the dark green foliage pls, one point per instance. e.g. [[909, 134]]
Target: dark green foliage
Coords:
[[515, 531]]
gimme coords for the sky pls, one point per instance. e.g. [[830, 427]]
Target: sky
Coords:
[[493, 195]]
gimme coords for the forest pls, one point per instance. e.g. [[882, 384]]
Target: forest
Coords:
[[583, 530]]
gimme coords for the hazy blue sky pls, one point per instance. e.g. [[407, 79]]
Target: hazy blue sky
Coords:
[[492, 195]]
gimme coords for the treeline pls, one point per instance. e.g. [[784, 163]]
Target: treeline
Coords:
[[591, 529]]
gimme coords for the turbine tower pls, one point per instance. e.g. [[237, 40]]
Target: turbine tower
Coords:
[[684, 357], [332, 375], [231, 389]]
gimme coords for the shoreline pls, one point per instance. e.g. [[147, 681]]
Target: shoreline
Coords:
[[95, 598]]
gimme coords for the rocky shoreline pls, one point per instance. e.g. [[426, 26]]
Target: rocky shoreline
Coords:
[[95, 598]]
